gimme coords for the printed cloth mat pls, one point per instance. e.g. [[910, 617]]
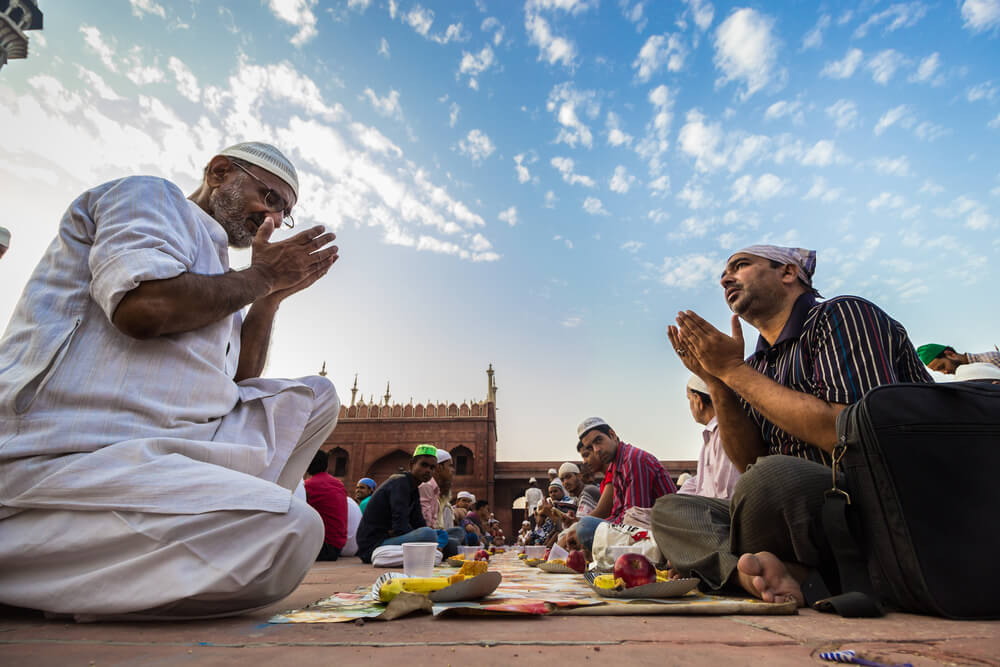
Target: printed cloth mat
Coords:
[[525, 591]]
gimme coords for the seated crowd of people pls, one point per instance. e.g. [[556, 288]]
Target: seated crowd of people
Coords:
[[149, 469]]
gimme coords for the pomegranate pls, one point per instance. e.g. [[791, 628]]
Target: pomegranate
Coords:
[[634, 570]]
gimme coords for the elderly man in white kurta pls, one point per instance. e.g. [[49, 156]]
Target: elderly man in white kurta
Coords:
[[145, 467]]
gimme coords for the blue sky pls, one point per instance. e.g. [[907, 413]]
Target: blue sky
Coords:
[[542, 185]]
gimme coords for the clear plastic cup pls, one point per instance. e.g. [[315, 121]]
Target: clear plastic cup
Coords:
[[418, 559], [535, 551], [469, 553], [616, 550]]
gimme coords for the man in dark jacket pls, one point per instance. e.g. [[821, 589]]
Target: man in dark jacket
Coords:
[[393, 515]]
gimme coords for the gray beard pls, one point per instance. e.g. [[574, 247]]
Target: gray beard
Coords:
[[229, 210]]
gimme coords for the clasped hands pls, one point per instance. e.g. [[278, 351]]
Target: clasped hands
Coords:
[[703, 349], [295, 263]]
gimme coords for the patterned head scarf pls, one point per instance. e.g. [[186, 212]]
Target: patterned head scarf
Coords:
[[930, 352], [804, 259]]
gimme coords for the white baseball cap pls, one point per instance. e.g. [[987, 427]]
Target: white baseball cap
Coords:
[[695, 383], [589, 423]]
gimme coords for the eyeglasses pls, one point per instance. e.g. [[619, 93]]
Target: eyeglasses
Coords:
[[272, 200]]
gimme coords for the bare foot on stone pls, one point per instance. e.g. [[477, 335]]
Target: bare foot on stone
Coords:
[[764, 575]]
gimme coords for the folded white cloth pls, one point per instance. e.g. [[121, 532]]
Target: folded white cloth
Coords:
[[391, 555]]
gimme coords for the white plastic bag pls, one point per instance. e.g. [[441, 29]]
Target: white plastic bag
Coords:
[[612, 534]]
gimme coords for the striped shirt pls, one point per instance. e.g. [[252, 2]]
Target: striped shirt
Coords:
[[984, 357], [638, 480], [835, 350]]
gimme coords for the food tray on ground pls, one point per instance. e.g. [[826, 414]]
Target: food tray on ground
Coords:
[[472, 588], [660, 589], [556, 568], [455, 561], [533, 562]]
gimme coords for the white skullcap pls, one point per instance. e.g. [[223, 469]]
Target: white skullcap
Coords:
[[443, 455], [532, 480], [557, 482], [695, 383], [466, 494], [4, 237], [552, 471], [569, 467], [589, 423], [977, 371], [268, 158]]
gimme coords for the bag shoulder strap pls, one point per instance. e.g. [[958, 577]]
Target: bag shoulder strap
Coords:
[[858, 599]]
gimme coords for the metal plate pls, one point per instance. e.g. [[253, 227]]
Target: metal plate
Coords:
[[661, 589]]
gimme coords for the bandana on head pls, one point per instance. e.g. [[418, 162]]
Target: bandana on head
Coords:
[[804, 259], [425, 450], [930, 352]]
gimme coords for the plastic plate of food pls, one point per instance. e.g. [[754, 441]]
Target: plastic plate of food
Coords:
[[441, 589], [556, 567]]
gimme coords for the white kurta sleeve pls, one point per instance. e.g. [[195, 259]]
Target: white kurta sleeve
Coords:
[[143, 231]]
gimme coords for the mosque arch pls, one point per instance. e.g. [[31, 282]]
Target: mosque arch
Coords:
[[394, 462], [463, 460]]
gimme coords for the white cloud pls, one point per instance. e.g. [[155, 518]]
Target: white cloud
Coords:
[[550, 199], [476, 145], [695, 196], [703, 13], [492, 23], [420, 19], [564, 101], [746, 49], [141, 73], [887, 200], [783, 108], [931, 188], [977, 217], [690, 271], [884, 64], [474, 64], [551, 48], [896, 16], [899, 166], [981, 15], [616, 136], [299, 14], [814, 38], [387, 106], [655, 143], [982, 91], [140, 7], [713, 149], [96, 83], [659, 50], [509, 216], [634, 14], [632, 246], [845, 68], [995, 123], [891, 117], [520, 166], [383, 48], [821, 154], [92, 37], [767, 186], [453, 111], [658, 216], [660, 185], [573, 321], [594, 206], [820, 190], [929, 131], [359, 5], [566, 167], [187, 83], [621, 180], [927, 69], [844, 114]]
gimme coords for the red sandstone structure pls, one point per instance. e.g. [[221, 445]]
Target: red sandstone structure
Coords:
[[376, 439]]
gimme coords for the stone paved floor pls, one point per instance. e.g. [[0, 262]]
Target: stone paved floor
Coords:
[[28, 639]]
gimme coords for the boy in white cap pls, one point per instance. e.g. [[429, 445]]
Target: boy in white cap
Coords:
[[139, 416], [586, 496], [435, 502], [716, 476]]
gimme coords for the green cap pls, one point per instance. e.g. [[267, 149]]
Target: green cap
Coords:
[[425, 450], [930, 352]]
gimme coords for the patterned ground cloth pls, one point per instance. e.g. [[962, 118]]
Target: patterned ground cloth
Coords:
[[529, 591]]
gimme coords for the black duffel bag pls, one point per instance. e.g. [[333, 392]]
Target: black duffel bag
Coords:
[[915, 527]]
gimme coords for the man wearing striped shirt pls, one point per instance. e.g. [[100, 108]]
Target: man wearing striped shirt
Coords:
[[638, 478], [777, 415]]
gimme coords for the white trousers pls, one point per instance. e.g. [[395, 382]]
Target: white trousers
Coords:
[[100, 565]]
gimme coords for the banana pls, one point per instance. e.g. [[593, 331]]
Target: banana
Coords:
[[422, 585]]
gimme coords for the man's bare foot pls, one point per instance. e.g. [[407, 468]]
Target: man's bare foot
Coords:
[[765, 576]]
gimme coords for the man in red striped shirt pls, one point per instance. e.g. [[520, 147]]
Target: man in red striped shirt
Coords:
[[637, 478]]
